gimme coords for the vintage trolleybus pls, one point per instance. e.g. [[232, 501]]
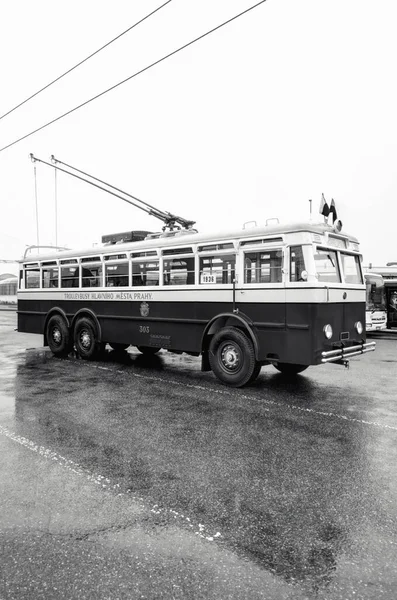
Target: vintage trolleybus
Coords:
[[286, 295]]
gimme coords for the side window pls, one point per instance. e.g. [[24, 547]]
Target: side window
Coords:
[[116, 275], [296, 263], [91, 276], [32, 278], [50, 277], [145, 273], [178, 271], [70, 276], [263, 267], [219, 268]]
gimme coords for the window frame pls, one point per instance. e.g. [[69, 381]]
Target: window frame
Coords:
[[45, 267], [171, 257], [87, 265], [357, 260], [264, 249], [145, 259], [65, 265], [328, 250], [29, 269], [113, 263], [213, 254]]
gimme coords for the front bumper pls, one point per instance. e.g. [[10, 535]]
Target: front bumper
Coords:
[[343, 353]]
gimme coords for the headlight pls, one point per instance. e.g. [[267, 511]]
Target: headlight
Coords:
[[328, 331], [358, 327]]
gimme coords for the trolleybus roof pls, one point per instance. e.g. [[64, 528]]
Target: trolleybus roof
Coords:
[[184, 238]]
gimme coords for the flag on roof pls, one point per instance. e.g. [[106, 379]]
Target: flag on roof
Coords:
[[324, 208], [332, 211]]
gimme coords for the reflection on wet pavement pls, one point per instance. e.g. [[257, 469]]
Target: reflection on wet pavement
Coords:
[[286, 492]]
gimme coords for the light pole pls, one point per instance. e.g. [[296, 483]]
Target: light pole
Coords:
[[32, 158]]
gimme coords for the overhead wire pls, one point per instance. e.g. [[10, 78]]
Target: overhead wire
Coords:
[[135, 74], [84, 60]]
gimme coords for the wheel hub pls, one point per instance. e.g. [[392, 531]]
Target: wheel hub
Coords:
[[85, 339], [230, 357], [56, 335]]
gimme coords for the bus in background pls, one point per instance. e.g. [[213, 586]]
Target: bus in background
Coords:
[[375, 310]]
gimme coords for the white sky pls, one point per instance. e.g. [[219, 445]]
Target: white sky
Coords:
[[291, 100]]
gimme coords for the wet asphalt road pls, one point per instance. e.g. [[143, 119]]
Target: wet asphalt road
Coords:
[[137, 478]]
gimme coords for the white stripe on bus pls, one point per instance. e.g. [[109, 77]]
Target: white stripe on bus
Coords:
[[199, 294]]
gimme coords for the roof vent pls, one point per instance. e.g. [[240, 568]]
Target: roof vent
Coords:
[[186, 232], [126, 236]]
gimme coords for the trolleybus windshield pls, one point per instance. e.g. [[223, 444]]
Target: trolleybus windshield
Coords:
[[328, 270]]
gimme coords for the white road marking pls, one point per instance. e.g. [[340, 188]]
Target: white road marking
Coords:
[[100, 480], [247, 397]]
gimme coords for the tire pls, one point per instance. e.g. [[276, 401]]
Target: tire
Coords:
[[148, 350], [255, 373], [290, 369], [58, 336], [232, 357], [86, 339], [119, 347]]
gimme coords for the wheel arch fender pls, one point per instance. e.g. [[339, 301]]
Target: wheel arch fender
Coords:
[[240, 320], [56, 310], [87, 312]]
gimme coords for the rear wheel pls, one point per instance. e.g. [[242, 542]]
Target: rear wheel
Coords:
[[148, 350], [119, 347], [86, 339], [290, 368], [232, 357], [58, 336]]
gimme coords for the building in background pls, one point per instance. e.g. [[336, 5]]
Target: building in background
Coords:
[[8, 288]]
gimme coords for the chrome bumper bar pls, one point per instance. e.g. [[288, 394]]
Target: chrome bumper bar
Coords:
[[342, 354]]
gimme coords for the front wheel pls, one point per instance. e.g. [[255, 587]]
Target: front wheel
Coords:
[[255, 373], [290, 368], [86, 339], [58, 336], [232, 357]]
